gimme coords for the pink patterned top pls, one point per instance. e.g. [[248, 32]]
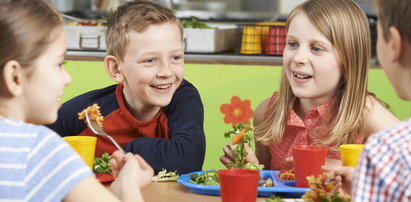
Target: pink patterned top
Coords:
[[299, 132]]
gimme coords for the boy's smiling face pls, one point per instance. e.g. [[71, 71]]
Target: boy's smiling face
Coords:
[[153, 67]]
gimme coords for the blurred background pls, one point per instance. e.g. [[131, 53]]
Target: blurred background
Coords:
[[214, 10]]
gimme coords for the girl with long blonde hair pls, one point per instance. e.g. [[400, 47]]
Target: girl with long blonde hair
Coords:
[[323, 97]]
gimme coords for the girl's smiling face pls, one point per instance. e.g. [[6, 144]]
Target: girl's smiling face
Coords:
[[310, 61]]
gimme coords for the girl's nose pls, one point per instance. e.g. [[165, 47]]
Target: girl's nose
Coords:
[[300, 56], [66, 78]]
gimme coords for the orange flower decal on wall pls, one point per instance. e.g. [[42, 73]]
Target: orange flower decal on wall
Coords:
[[237, 111]]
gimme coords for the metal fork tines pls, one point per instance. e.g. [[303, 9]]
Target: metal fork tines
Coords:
[[99, 131]]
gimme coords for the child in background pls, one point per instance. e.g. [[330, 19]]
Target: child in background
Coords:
[[152, 111], [36, 164], [384, 169], [323, 97]]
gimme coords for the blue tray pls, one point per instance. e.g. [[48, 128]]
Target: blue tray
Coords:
[[281, 187]]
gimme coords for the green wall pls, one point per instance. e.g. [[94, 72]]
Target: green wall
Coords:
[[217, 84]]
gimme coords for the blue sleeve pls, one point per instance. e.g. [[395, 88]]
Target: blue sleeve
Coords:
[[185, 150], [68, 124]]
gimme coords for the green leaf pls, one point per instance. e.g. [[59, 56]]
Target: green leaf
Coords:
[[195, 23], [102, 165], [274, 198]]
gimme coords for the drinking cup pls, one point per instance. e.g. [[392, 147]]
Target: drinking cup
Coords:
[[350, 154], [263, 28], [85, 146], [238, 185], [251, 40], [276, 40], [308, 160]]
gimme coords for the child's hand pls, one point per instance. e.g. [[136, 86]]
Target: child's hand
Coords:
[[228, 155], [341, 178], [131, 168]]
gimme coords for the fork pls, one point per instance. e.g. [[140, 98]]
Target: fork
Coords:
[[99, 131]]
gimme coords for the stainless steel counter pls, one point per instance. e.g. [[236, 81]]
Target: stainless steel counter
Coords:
[[197, 58], [217, 58]]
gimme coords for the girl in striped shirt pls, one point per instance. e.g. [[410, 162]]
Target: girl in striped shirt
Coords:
[[35, 163]]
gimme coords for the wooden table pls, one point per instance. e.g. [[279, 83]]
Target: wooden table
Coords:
[[173, 191]]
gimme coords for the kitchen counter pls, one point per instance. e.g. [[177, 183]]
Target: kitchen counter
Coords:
[[198, 58], [193, 58]]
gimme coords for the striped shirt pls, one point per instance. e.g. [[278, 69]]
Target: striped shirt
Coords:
[[384, 170], [36, 164]]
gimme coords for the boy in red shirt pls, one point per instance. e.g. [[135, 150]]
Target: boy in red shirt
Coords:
[[152, 111]]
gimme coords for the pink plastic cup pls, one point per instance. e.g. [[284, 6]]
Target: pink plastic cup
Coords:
[[276, 40], [238, 185], [308, 160]]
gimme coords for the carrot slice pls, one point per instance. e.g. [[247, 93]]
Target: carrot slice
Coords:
[[239, 137]]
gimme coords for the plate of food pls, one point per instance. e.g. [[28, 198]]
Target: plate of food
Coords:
[[206, 182], [102, 168]]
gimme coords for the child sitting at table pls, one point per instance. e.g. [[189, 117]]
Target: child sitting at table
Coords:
[[152, 111], [36, 164], [323, 97], [383, 172]]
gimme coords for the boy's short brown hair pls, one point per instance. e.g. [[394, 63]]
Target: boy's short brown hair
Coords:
[[395, 13], [135, 16]]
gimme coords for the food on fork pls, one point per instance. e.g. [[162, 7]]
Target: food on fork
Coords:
[[94, 113]]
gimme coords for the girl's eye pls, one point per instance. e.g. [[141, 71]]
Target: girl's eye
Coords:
[[62, 64], [316, 49], [292, 44]]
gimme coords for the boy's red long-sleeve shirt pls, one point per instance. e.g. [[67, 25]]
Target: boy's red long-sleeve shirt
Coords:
[[174, 139]]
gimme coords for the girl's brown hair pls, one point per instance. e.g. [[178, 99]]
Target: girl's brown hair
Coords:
[[345, 25], [27, 27]]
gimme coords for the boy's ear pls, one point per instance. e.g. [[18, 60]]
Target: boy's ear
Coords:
[[396, 45], [112, 66], [12, 77]]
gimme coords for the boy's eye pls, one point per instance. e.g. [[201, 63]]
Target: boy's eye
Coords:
[[150, 60], [177, 57]]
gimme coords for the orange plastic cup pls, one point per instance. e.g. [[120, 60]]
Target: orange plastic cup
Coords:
[[85, 146], [350, 154], [238, 185], [308, 160]]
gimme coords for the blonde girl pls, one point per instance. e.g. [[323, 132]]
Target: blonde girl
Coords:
[[36, 164], [323, 97]]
